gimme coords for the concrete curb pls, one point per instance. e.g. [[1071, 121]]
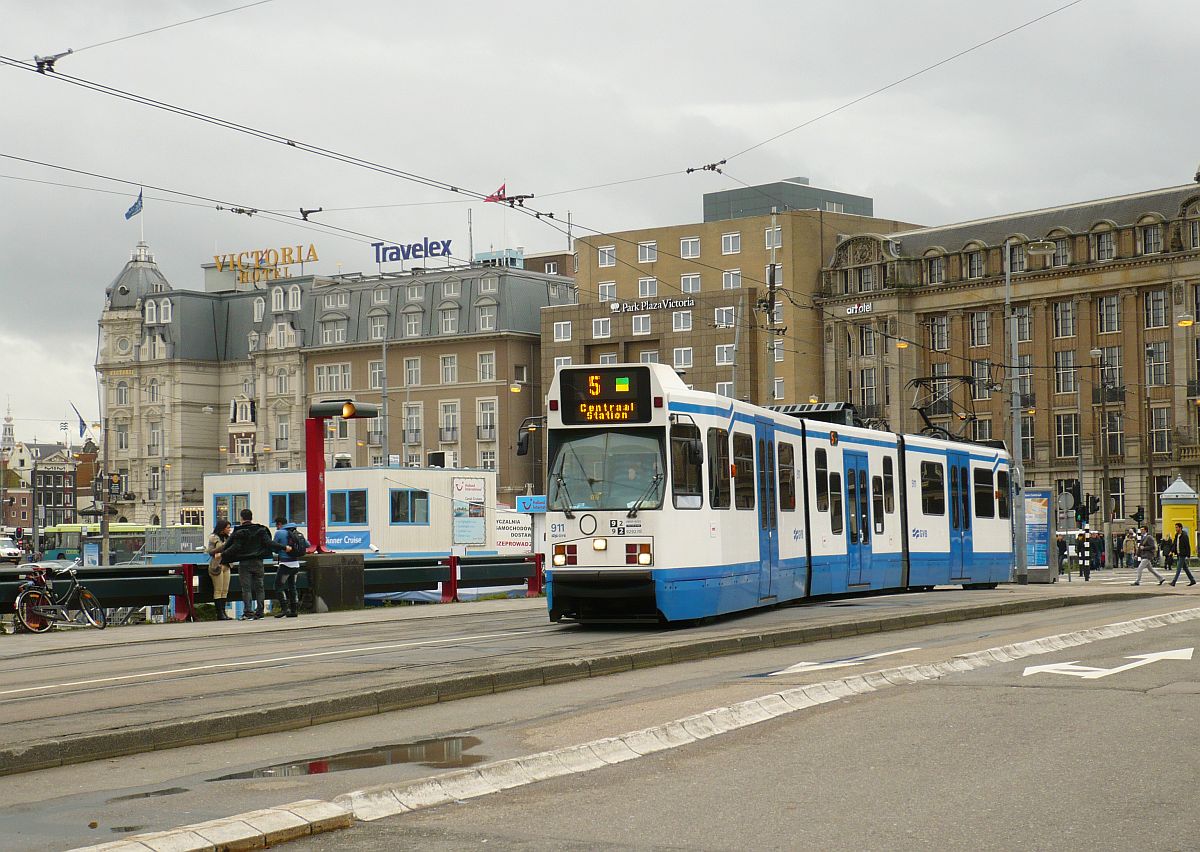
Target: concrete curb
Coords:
[[81, 748], [252, 830]]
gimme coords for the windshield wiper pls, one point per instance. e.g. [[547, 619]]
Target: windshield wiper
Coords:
[[633, 510], [562, 483]]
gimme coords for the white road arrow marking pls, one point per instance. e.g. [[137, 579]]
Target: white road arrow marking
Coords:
[[1093, 673], [838, 664]]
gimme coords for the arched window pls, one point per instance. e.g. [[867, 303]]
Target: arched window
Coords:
[[164, 310], [151, 313], [252, 341], [122, 393], [152, 391], [277, 299], [260, 308], [281, 381], [294, 297]]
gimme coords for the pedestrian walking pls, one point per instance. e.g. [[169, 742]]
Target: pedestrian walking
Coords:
[[1183, 549], [248, 545], [1129, 548], [288, 566], [1146, 551], [217, 569]]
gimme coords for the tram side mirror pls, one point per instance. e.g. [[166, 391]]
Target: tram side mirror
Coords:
[[523, 443]]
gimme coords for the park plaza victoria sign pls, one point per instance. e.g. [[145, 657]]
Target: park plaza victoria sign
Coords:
[[656, 305], [385, 253], [605, 395], [250, 267]]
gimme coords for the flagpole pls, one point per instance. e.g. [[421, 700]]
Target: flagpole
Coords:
[[142, 218]]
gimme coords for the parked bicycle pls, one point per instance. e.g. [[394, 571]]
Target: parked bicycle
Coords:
[[38, 607]]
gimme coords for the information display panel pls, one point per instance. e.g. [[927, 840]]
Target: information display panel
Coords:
[[605, 395]]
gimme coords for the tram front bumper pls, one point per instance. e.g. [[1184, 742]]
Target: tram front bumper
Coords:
[[601, 594]]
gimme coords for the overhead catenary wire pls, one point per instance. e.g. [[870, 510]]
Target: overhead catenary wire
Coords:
[[169, 26]]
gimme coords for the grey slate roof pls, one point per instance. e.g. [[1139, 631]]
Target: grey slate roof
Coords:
[[1036, 224], [140, 277]]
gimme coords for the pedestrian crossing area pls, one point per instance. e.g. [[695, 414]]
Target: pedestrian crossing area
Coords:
[[1123, 576]]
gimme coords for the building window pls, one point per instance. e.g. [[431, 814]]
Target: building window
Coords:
[[1066, 435], [731, 279], [490, 284], [487, 458], [1105, 246], [723, 317], [981, 380], [1064, 371], [936, 270], [1024, 374], [1114, 433], [260, 308], [776, 346], [1022, 315], [725, 389], [331, 377], [866, 279], [551, 267], [122, 436], [866, 340], [451, 288], [773, 237], [648, 356], [487, 366], [1064, 319], [982, 430], [449, 320], [1194, 227], [689, 283], [939, 333], [975, 264], [1110, 366], [731, 243], [601, 328], [641, 324], [412, 372], [294, 297], [608, 358], [866, 387], [1156, 309], [412, 324], [606, 256], [1108, 314], [1027, 437], [378, 327], [778, 389], [773, 272], [1062, 253], [449, 422], [348, 507], [724, 354], [281, 381], [1152, 240], [562, 361], [122, 393], [981, 328], [562, 331], [647, 252], [486, 420], [449, 369], [152, 391], [1156, 364], [485, 318], [606, 291], [647, 288], [375, 374], [681, 321], [1016, 258], [333, 331], [414, 292], [689, 248], [682, 357], [1160, 430]]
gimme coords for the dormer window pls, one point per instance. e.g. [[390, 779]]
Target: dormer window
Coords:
[[252, 341], [294, 297], [151, 313], [260, 308], [164, 311], [337, 300], [381, 296], [277, 299], [451, 288]]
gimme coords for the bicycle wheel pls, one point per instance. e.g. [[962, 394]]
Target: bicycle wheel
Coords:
[[26, 607], [92, 610]]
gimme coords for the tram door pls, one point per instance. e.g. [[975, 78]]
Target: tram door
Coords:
[[959, 477], [768, 517], [858, 519]]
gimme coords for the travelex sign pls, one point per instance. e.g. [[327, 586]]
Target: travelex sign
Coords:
[[661, 304], [264, 264], [385, 253]]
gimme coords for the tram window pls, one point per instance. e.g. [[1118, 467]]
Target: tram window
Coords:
[[764, 522], [835, 503], [787, 478], [889, 485], [954, 502], [985, 494], [718, 468], [933, 488], [686, 457], [1002, 492], [852, 502], [964, 489], [772, 487], [822, 480], [743, 471], [877, 503]]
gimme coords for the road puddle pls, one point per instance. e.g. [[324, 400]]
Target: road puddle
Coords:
[[169, 791], [443, 753]]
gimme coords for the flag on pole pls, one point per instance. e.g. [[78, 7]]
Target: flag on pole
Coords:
[[136, 208], [498, 195], [82, 424]]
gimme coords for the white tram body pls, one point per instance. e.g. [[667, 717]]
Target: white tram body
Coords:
[[673, 504]]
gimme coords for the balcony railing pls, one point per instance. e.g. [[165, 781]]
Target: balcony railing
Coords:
[[375, 438], [1108, 394], [448, 434], [412, 436], [486, 433], [281, 443]]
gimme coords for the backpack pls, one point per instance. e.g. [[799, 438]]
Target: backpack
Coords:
[[297, 544]]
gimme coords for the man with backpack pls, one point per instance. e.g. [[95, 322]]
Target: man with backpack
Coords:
[[247, 546], [295, 545]]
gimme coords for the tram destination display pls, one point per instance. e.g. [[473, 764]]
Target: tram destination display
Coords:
[[605, 395]]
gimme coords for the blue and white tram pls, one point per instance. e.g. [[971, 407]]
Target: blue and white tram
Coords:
[[671, 504]]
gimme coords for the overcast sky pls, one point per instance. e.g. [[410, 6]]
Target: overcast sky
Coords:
[[1093, 101]]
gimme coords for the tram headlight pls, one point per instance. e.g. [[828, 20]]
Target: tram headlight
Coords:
[[638, 554], [644, 558], [560, 559], [599, 544], [564, 554]]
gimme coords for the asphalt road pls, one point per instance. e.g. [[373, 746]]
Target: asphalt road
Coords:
[[53, 808]]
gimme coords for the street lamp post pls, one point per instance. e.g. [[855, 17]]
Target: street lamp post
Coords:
[[1098, 357], [1016, 480]]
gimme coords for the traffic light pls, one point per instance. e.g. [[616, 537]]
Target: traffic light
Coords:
[[1139, 515], [1093, 504], [1079, 515]]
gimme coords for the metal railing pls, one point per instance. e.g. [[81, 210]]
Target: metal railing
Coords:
[[412, 436], [485, 433], [448, 434], [281, 443]]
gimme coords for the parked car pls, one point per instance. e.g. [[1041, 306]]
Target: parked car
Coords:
[[9, 552]]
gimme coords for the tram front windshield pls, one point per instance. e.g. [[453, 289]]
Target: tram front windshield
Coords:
[[607, 469]]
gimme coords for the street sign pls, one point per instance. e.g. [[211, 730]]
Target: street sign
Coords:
[[532, 504], [1092, 673]]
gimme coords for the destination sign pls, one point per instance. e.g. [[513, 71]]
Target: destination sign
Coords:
[[605, 395]]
